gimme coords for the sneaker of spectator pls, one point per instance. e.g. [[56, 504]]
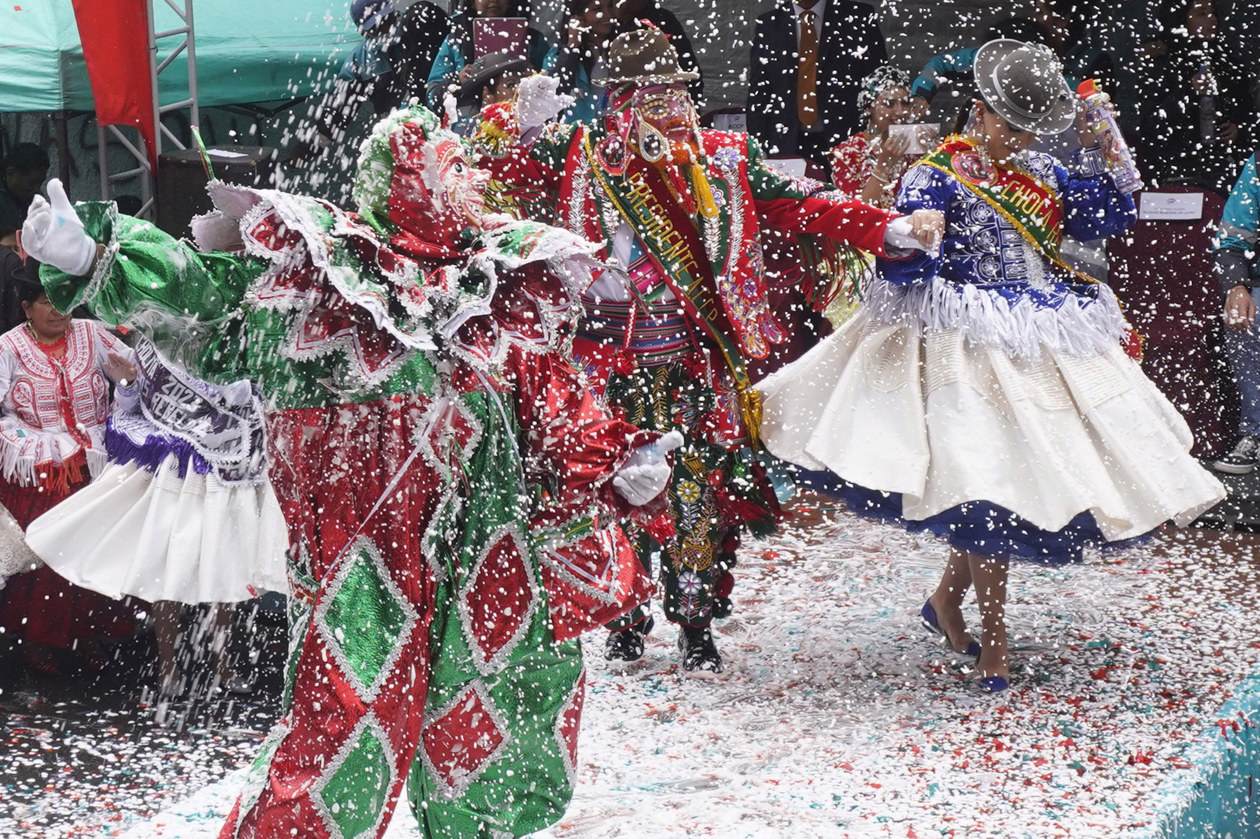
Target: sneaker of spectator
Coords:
[[1241, 459]]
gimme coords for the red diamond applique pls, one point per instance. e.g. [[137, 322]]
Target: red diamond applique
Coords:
[[338, 320], [287, 285], [463, 740], [571, 719], [499, 601], [270, 232]]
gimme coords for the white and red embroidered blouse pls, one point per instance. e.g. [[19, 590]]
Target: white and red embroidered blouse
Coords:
[[54, 399], [851, 167]]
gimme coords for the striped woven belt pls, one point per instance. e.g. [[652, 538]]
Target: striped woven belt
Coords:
[[660, 335]]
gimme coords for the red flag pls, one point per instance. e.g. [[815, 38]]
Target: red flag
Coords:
[[115, 37]]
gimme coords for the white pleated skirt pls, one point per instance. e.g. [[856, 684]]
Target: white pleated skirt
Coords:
[[159, 536], [944, 422]]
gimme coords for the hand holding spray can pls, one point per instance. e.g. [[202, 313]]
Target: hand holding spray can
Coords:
[[1115, 150]]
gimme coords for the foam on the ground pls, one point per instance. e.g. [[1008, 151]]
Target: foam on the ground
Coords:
[[838, 715]]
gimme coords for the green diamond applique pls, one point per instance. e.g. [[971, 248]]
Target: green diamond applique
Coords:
[[366, 620], [354, 795]]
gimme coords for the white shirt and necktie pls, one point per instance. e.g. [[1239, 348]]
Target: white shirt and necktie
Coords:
[[809, 20]]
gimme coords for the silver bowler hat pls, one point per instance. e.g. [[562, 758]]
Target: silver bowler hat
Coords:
[[1024, 84]]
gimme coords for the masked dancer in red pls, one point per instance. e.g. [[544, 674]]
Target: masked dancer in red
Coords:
[[669, 330], [445, 475]]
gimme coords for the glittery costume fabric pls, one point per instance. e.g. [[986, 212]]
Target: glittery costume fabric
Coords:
[[425, 640], [680, 378]]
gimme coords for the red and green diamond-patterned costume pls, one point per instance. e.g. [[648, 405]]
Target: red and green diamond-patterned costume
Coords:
[[443, 474]]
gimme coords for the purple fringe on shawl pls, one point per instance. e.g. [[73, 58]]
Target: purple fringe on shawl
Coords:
[[155, 449]]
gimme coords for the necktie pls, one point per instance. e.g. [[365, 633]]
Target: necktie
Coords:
[[807, 68]]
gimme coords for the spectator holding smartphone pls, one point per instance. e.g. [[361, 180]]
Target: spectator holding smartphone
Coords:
[[388, 68], [868, 166], [1197, 114], [582, 57]]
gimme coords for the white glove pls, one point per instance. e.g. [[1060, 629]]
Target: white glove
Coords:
[[921, 230], [646, 472], [537, 100], [450, 106], [54, 235]]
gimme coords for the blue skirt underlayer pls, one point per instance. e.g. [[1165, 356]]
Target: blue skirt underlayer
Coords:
[[978, 527]]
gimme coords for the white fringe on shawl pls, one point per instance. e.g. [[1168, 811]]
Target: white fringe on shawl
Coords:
[[1079, 326], [28, 448]]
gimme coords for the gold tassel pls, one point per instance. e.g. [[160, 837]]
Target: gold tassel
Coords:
[[703, 192], [750, 409]]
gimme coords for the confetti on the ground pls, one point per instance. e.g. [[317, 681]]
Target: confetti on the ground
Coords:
[[838, 715]]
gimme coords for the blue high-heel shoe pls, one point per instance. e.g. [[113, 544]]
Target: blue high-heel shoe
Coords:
[[928, 614], [993, 684]]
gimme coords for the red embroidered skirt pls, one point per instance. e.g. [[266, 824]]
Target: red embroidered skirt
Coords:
[[40, 607]]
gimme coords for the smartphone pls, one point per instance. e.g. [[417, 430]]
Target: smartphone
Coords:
[[923, 136], [501, 34]]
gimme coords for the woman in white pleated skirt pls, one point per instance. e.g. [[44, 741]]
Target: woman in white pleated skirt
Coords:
[[984, 394]]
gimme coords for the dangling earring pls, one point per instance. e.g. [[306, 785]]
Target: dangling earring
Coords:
[[977, 131], [652, 143], [976, 125], [611, 154]]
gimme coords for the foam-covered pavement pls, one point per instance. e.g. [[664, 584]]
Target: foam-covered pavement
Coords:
[[838, 715]]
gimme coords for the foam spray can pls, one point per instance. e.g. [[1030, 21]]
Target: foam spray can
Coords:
[[1115, 150]]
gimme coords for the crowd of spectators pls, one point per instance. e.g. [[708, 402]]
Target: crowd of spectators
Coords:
[[1198, 123], [1186, 97], [393, 60]]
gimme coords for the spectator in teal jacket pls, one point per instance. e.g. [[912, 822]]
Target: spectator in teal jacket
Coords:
[[579, 61], [452, 68], [1237, 269]]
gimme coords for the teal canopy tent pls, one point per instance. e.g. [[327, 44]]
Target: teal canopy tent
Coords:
[[246, 51]]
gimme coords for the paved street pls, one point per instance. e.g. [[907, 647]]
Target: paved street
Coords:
[[85, 752], [836, 707]]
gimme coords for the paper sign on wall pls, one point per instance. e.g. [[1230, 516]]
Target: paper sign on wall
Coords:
[[1170, 206], [730, 122]]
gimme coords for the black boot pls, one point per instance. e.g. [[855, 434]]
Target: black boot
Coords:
[[695, 645], [627, 644]]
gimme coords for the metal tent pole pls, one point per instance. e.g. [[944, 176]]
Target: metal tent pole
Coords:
[[61, 135], [162, 134], [188, 44], [102, 161]]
